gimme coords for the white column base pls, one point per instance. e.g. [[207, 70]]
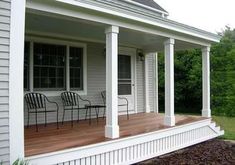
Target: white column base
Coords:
[[147, 109], [169, 120], [112, 131], [206, 113]]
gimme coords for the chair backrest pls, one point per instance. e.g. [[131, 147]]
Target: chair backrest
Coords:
[[35, 100], [103, 95], [70, 99]]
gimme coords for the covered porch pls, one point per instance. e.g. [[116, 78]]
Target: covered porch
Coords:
[[96, 43]]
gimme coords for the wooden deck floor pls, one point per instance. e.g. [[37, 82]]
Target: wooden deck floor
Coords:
[[49, 139]]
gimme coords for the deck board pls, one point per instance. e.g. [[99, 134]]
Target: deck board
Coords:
[[49, 139]]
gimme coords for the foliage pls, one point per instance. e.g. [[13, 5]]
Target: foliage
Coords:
[[20, 162], [188, 78], [222, 74], [227, 124]]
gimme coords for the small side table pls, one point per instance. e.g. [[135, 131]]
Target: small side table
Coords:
[[97, 109]]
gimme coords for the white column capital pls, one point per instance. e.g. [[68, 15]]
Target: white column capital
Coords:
[[206, 49], [112, 29], [169, 41]]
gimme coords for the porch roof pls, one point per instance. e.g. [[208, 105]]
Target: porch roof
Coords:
[[111, 12]]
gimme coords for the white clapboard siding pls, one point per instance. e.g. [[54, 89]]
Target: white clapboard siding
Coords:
[[95, 84], [140, 86], [4, 79], [151, 81]]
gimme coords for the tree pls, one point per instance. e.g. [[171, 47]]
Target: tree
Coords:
[[188, 77], [223, 74]]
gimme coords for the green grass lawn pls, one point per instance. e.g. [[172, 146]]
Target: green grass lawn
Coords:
[[228, 125]]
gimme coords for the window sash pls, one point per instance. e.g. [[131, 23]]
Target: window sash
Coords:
[[66, 76], [49, 57], [76, 69]]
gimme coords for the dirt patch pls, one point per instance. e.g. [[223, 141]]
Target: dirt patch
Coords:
[[213, 152]]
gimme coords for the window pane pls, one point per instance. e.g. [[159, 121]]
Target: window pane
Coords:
[[76, 67], [124, 89], [26, 65], [49, 66], [124, 75]]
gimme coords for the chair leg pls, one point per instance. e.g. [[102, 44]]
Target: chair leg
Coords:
[[89, 116], [72, 117], [97, 114], [86, 113], [127, 112], [57, 120], [36, 119], [78, 116], [28, 120], [104, 112], [45, 119], [63, 117]]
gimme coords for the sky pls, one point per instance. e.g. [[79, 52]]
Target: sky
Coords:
[[209, 15]]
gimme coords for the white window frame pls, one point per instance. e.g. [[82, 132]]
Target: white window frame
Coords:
[[67, 44]]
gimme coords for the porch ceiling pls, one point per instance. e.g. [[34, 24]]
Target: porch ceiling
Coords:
[[76, 29]]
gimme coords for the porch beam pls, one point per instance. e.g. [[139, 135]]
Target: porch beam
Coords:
[[112, 128], [169, 82], [206, 111]]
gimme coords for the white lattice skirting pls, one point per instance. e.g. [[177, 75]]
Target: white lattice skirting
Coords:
[[135, 148]]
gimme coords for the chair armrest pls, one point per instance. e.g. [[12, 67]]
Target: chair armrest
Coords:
[[123, 98], [85, 100], [53, 102]]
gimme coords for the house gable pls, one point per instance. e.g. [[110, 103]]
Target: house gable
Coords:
[[150, 3]]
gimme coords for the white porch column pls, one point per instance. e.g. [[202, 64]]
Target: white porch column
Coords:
[[156, 84], [169, 82], [112, 128], [206, 111], [146, 81]]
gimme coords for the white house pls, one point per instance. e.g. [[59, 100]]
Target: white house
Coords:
[[88, 46]]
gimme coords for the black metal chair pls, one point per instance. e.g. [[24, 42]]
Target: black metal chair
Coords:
[[37, 103], [103, 95], [71, 102]]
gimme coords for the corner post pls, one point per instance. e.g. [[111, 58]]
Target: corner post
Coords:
[[169, 82], [16, 85], [112, 128], [206, 111]]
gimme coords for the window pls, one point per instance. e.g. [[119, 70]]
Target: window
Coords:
[[50, 66], [76, 68], [124, 75], [26, 65]]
